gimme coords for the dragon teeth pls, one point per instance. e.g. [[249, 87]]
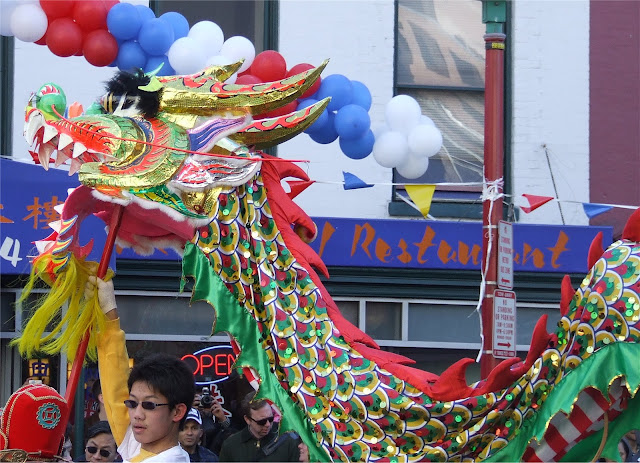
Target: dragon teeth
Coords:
[[75, 166], [49, 133], [64, 141], [44, 156], [78, 149], [61, 158]]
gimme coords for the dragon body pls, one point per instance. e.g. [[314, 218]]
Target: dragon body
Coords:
[[191, 177]]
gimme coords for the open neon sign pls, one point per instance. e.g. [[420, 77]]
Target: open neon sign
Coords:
[[212, 364]]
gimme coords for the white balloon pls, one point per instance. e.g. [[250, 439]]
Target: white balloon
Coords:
[[391, 149], [237, 48], [208, 35], [413, 167], [426, 120], [402, 113], [425, 140], [379, 129], [186, 56], [6, 10], [29, 22]]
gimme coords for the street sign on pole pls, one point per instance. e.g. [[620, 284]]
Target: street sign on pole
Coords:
[[504, 324], [505, 255]]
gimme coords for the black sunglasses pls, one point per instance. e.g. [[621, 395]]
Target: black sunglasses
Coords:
[[146, 405], [263, 421], [103, 452]]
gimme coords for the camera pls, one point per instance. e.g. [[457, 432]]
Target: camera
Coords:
[[206, 399]]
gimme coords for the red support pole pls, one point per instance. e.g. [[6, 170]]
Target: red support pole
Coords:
[[493, 171], [76, 368]]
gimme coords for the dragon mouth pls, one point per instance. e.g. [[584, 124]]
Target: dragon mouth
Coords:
[[59, 141]]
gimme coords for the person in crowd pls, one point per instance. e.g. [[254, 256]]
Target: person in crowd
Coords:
[[146, 411], [216, 424], [260, 440], [100, 446], [633, 442], [101, 413], [190, 436]]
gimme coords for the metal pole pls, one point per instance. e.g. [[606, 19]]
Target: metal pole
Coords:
[[494, 16]]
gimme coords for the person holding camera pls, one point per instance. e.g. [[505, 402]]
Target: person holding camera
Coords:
[[216, 425]]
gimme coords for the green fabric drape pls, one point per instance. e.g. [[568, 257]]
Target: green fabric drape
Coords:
[[598, 371], [234, 319]]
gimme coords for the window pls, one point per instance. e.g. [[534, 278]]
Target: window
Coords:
[[253, 19], [440, 62], [6, 94]]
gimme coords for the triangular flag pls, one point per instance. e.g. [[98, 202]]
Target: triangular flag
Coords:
[[351, 182], [593, 209], [298, 186], [535, 202], [421, 195]]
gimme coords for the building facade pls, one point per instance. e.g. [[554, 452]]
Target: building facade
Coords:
[[561, 141]]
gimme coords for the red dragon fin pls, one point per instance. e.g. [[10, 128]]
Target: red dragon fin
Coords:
[[595, 250], [632, 228], [567, 293]]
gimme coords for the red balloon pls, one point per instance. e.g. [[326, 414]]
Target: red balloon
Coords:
[[42, 40], [108, 4], [100, 48], [286, 109], [90, 15], [297, 69], [247, 79], [64, 37], [269, 66], [57, 8]]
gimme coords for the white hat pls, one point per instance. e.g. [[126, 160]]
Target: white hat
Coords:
[[195, 416]]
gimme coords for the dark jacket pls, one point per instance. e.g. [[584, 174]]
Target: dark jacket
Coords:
[[243, 446], [203, 454]]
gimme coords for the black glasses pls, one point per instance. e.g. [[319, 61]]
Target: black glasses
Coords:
[[103, 452], [263, 421], [146, 405]]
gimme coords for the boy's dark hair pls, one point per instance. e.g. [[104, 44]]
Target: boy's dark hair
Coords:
[[167, 375]]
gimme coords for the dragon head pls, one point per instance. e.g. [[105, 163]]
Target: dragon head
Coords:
[[161, 147]]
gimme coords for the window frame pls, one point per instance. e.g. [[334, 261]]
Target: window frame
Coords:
[[443, 207]]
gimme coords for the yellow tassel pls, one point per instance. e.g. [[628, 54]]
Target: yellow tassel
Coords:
[[67, 328]]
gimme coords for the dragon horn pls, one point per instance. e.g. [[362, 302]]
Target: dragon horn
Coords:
[[208, 99], [218, 73], [264, 133]]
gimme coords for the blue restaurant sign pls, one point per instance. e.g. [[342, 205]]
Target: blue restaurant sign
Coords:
[[28, 196]]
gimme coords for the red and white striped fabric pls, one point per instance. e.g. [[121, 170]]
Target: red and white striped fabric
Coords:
[[586, 418]]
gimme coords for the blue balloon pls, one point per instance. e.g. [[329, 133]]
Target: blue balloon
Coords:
[[339, 88], [328, 133], [352, 121], [361, 95], [179, 24], [358, 148], [124, 21], [131, 56], [320, 122], [156, 37], [146, 13], [154, 61]]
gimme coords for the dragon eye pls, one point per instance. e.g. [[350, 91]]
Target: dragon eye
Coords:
[[107, 102]]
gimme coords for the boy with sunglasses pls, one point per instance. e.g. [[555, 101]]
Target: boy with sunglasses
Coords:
[[147, 410], [260, 440]]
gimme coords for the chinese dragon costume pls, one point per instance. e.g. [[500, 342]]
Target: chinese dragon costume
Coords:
[[181, 155]]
